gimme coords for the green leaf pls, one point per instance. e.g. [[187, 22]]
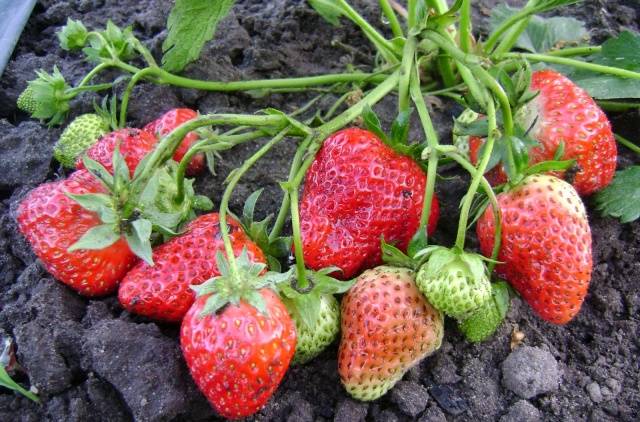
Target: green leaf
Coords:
[[99, 203], [418, 242], [139, 240], [621, 199], [620, 52], [394, 256], [191, 24], [372, 123], [73, 35], [543, 34], [98, 237], [329, 10], [99, 171], [7, 382], [250, 206], [400, 127]]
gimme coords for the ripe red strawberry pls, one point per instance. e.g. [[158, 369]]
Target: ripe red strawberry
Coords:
[[52, 222], [387, 327], [239, 355], [134, 145], [162, 291], [546, 245], [171, 120], [356, 191], [565, 113]]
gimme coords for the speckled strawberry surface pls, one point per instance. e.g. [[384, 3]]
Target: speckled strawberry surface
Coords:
[[357, 191], [52, 222], [162, 291], [546, 245], [134, 145], [387, 327], [238, 356]]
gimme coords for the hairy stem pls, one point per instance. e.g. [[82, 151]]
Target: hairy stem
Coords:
[[394, 23]]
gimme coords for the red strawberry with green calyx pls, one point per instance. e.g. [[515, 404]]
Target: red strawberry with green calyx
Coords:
[[357, 191], [167, 123], [387, 327], [56, 225], [238, 339], [162, 291], [545, 252]]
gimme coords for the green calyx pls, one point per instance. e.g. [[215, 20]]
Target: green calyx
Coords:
[[453, 281], [244, 284], [484, 321], [78, 136], [45, 97]]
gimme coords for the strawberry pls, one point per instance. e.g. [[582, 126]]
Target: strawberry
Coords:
[[52, 222], [387, 327], [546, 245], [312, 340], [134, 145], [454, 282], [485, 320], [564, 113], [237, 341], [162, 291], [356, 191], [167, 123], [79, 135], [26, 101]]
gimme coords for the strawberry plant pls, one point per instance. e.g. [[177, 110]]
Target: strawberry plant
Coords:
[[368, 196]]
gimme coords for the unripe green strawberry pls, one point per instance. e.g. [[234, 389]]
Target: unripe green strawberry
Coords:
[[455, 282], [312, 340], [81, 133], [485, 320], [26, 102]]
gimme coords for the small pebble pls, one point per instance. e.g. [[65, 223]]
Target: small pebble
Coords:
[[410, 397], [433, 414], [449, 399], [530, 371], [594, 392], [350, 410], [522, 411]]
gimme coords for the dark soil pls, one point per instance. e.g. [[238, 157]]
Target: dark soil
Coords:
[[90, 360]]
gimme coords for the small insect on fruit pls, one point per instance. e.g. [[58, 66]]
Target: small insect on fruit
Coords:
[[387, 327], [545, 252]]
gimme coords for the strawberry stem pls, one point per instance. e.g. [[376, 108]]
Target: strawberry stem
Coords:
[[394, 23], [297, 239], [465, 26]]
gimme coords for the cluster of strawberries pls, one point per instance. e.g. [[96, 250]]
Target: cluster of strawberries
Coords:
[[357, 191]]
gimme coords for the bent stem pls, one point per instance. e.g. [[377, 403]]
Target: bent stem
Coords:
[[233, 180]]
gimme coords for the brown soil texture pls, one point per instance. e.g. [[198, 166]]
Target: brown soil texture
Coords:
[[90, 360]]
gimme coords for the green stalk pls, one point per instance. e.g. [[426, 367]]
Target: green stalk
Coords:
[[411, 12], [394, 23], [124, 102], [578, 64], [617, 106], [406, 69], [465, 26], [99, 68], [297, 238], [627, 143], [432, 140], [497, 238], [226, 196], [575, 51], [475, 182], [507, 43]]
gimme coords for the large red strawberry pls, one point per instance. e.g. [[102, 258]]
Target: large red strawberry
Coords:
[[237, 341], [162, 291], [171, 120], [387, 327], [564, 112], [546, 245], [134, 145], [356, 191], [52, 222]]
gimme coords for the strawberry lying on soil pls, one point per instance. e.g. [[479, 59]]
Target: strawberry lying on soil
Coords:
[[134, 145], [162, 291], [356, 191], [387, 327], [52, 222], [564, 112], [167, 123], [546, 245]]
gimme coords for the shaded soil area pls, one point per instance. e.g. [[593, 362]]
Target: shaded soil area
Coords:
[[90, 360]]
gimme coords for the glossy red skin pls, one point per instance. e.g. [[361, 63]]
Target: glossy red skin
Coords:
[[238, 356], [52, 222], [171, 120], [566, 113], [387, 327], [134, 145], [546, 246], [162, 291], [356, 191]]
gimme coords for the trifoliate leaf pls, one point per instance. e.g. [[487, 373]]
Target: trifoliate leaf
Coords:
[[544, 34], [191, 24], [139, 240], [73, 35], [620, 52], [621, 199], [98, 237]]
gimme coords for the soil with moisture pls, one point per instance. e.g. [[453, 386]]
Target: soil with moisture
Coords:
[[90, 360]]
